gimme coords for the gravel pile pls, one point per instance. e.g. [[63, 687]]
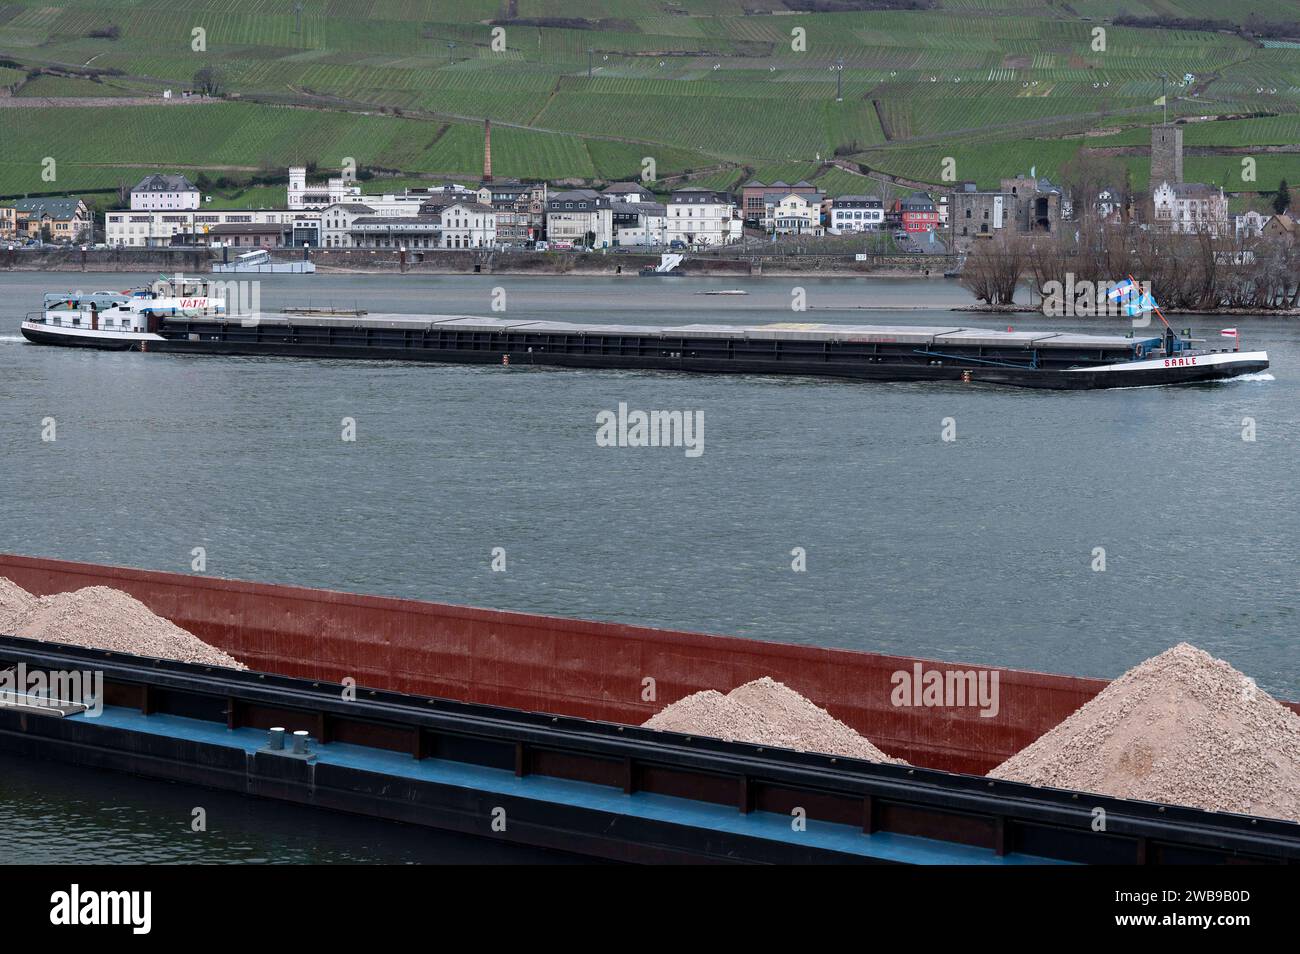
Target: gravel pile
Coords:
[[1182, 728], [766, 712], [103, 618], [15, 605]]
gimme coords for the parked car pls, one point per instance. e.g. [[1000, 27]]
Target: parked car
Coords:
[[677, 244]]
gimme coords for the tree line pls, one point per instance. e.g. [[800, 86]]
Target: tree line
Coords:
[[1200, 271]]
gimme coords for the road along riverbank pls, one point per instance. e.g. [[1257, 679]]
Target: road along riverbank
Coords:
[[475, 262]]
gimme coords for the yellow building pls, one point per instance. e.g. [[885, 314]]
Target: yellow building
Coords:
[[53, 220]]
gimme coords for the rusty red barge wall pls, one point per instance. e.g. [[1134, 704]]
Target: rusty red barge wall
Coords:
[[564, 666]]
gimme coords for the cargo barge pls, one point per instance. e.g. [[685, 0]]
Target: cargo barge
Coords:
[[1032, 359], [465, 716]]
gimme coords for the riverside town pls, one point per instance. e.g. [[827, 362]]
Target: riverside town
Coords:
[[1025, 231]]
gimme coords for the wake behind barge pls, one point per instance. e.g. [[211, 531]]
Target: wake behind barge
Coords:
[[1036, 359]]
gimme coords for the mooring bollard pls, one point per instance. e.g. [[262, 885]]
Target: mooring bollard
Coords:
[[275, 739], [300, 742]]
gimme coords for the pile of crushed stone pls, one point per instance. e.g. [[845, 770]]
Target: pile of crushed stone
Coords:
[[1182, 728], [100, 617], [766, 712], [16, 604]]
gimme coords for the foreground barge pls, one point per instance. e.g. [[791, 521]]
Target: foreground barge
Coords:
[[576, 785], [1035, 359], [462, 712]]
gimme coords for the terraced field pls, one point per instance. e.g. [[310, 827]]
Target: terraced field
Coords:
[[723, 89]]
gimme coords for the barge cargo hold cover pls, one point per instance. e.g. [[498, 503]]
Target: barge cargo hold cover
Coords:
[[464, 709], [1036, 359]]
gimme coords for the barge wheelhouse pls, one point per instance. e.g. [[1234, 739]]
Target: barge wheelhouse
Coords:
[[119, 321]]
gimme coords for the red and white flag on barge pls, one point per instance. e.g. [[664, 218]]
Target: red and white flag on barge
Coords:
[[1232, 333]]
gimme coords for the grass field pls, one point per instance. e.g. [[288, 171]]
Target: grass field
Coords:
[[709, 87]]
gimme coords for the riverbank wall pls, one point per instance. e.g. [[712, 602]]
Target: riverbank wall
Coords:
[[471, 262]]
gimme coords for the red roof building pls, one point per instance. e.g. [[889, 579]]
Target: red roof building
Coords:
[[918, 213]]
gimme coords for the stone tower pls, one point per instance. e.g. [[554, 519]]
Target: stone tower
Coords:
[[1166, 154], [487, 151]]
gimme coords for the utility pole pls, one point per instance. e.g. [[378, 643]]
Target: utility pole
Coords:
[[839, 79], [590, 54], [297, 13], [1164, 94]]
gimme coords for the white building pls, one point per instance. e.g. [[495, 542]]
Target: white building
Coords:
[[395, 231], [469, 225], [317, 195], [640, 223], [158, 228], [581, 217], [1190, 207], [1249, 225], [794, 214], [701, 217], [163, 192], [397, 203], [857, 213], [1109, 203], [337, 220]]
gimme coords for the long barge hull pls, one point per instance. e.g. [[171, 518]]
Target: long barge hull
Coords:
[[465, 710], [1050, 360], [576, 785]]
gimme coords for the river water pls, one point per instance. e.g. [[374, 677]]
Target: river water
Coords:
[[980, 549]]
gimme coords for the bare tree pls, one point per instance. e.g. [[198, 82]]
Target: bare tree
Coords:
[[1085, 176], [994, 268]]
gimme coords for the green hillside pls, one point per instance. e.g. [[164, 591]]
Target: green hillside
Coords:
[[720, 89]]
